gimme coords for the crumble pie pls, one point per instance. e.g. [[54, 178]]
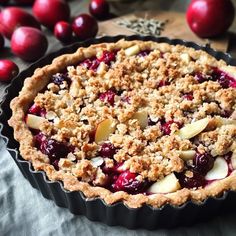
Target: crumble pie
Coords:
[[133, 121]]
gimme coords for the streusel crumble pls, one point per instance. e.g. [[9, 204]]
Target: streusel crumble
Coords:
[[137, 121]]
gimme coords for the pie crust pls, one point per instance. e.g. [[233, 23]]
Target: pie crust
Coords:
[[162, 83]]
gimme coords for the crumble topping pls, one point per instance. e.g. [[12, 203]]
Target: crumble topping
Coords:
[[139, 118]]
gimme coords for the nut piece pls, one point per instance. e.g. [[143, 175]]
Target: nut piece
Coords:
[[132, 50], [193, 129], [168, 184]]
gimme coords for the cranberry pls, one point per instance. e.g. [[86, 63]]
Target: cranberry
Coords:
[[196, 180], [107, 57], [28, 43], [226, 113], [63, 31], [127, 182], [54, 149], [188, 96], [107, 150], [39, 139], [99, 9], [144, 53], [1, 42], [34, 109], [90, 63], [223, 79], [49, 12], [59, 78], [202, 163], [8, 70], [165, 127], [200, 77], [55, 164], [85, 26], [115, 170], [92, 136], [163, 83], [125, 99], [108, 96]]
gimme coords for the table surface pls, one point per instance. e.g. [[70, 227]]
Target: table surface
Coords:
[[23, 209]]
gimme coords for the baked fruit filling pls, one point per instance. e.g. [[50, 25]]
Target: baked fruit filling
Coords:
[[139, 119]]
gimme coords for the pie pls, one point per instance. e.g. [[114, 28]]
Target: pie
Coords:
[[134, 121]]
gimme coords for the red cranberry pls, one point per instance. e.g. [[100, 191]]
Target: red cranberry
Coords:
[[188, 96], [163, 83], [99, 9], [54, 149], [90, 63], [200, 77], [195, 181], [55, 164], [127, 182], [125, 99], [49, 12], [107, 150], [1, 42], [232, 83], [35, 109], [92, 136], [39, 139], [63, 31], [144, 53], [165, 127], [8, 70], [202, 163], [115, 170], [107, 57], [28, 43], [108, 96], [85, 26], [59, 78]]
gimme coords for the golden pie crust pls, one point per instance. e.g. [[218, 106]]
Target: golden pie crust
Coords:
[[139, 77]]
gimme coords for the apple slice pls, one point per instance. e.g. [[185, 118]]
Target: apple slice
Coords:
[[233, 160], [219, 170], [133, 50], [187, 154], [168, 184], [142, 118], [34, 122], [104, 129], [193, 129]]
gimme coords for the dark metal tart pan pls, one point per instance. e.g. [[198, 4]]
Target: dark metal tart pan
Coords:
[[146, 216]]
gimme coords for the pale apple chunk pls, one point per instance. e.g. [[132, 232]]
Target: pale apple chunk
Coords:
[[142, 118], [193, 129], [168, 184], [104, 129], [187, 154], [233, 160], [219, 170], [133, 50], [34, 122]]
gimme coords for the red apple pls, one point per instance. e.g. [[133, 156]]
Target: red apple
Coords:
[[14, 17], [63, 31], [49, 12], [1, 42], [85, 26], [99, 9], [209, 18], [8, 70], [28, 43]]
